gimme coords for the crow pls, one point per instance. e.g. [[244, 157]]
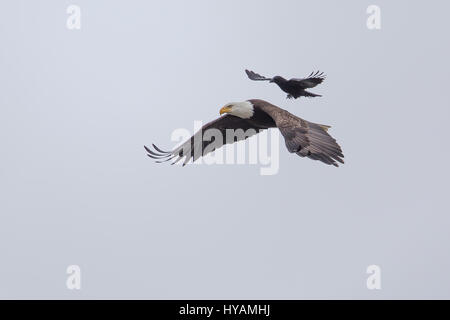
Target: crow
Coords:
[[294, 87]]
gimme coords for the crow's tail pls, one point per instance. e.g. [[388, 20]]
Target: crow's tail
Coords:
[[310, 94]]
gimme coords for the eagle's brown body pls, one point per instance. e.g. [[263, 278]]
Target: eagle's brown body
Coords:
[[306, 139]]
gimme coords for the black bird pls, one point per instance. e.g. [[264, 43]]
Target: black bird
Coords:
[[294, 87]]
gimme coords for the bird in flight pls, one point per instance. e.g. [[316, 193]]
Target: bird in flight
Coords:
[[304, 138], [295, 87]]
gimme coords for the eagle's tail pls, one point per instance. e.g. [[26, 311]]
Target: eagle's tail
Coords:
[[324, 127]]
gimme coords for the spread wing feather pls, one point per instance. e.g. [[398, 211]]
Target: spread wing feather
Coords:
[[204, 141], [310, 140], [310, 81], [307, 139]]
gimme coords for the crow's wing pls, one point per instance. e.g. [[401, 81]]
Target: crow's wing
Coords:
[[256, 77], [310, 81]]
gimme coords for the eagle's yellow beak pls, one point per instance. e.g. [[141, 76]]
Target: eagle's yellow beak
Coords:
[[225, 110]]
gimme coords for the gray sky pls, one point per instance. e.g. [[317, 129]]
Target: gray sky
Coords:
[[77, 188]]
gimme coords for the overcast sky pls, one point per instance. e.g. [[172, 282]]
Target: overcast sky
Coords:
[[77, 188]]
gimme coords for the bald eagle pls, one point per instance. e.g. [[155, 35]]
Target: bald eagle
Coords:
[[294, 87], [304, 138]]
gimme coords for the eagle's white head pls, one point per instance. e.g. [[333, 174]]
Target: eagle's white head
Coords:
[[242, 110]]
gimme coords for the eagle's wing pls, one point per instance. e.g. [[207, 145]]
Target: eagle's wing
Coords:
[[256, 77], [210, 137], [307, 139], [310, 81]]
